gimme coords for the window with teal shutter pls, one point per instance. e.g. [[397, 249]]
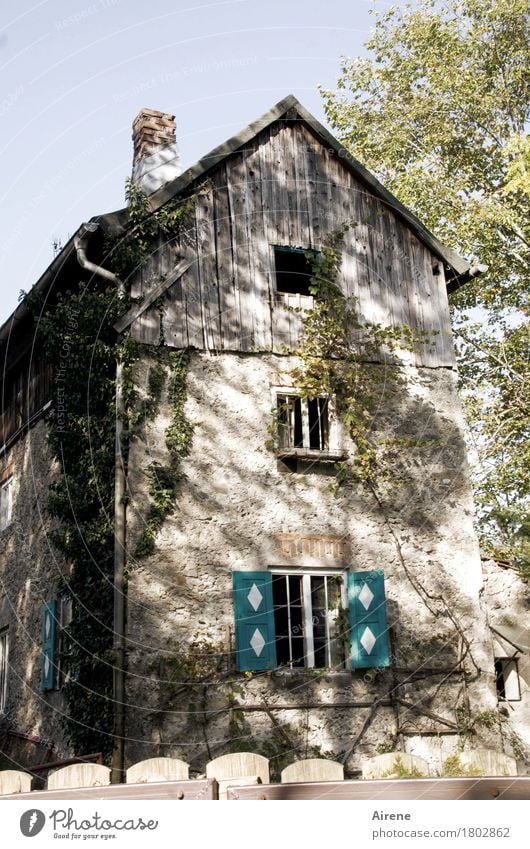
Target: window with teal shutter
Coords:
[[369, 646], [48, 646], [254, 618]]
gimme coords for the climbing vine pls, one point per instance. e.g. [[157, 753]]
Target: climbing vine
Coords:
[[80, 344], [79, 341], [164, 478], [357, 363], [336, 356]]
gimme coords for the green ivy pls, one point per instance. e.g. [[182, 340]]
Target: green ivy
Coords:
[[165, 478], [336, 358], [80, 343]]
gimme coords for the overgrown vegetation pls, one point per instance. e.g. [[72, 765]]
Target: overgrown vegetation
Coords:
[[399, 770], [80, 343], [335, 351], [165, 478], [82, 346], [453, 766], [438, 109]]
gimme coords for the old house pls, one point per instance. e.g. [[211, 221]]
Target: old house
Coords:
[[254, 568]]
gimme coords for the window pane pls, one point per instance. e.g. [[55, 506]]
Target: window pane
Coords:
[[318, 423], [287, 600], [290, 432]]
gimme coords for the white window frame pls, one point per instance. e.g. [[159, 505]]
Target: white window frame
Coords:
[[333, 451], [64, 618], [4, 666], [6, 502], [308, 617]]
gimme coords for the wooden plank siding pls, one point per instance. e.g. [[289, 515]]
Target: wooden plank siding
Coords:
[[285, 188], [25, 391]]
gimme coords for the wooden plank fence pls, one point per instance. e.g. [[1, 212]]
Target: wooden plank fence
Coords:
[[245, 776]]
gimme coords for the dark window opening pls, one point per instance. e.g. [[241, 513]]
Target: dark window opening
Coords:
[[507, 679], [303, 423], [293, 271], [288, 619]]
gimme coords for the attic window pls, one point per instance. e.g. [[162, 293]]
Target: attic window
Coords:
[[293, 270]]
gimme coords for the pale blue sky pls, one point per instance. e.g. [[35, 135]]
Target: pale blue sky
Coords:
[[74, 73]]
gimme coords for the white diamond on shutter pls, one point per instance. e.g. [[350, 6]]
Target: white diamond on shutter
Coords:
[[48, 625], [255, 597], [257, 642], [46, 666], [368, 640], [366, 596]]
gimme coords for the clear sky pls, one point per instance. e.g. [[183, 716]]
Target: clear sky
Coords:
[[74, 73]]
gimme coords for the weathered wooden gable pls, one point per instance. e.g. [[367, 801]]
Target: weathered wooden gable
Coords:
[[286, 188]]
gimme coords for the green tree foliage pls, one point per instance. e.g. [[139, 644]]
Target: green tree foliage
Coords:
[[437, 110]]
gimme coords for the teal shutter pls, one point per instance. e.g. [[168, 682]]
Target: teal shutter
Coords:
[[48, 645], [369, 645], [254, 617]]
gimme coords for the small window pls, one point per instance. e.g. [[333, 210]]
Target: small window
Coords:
[[6, 503], [306, 619], [4, 652], [507, 674], [293, 270], [303, 423]]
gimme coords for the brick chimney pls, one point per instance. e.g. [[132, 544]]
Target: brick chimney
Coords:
[[155, 153]]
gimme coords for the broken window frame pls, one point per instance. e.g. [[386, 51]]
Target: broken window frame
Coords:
[[306, 428]]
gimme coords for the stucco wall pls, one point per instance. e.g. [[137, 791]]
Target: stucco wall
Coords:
[[508, 601], [29, 570], [234, 504]]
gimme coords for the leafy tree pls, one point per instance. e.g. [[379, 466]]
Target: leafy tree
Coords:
[[438, 110]]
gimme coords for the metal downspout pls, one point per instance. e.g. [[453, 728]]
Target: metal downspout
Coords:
[[118, 759]]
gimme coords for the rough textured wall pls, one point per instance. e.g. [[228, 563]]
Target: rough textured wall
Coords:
[[29, 570], [507, 598], [285, 187], [238, 508]]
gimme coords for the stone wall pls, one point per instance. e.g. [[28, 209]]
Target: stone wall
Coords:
[[239, 508], [31, 729], [508, 602]]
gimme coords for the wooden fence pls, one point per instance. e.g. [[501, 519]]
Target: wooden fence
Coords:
[[245, 775]]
